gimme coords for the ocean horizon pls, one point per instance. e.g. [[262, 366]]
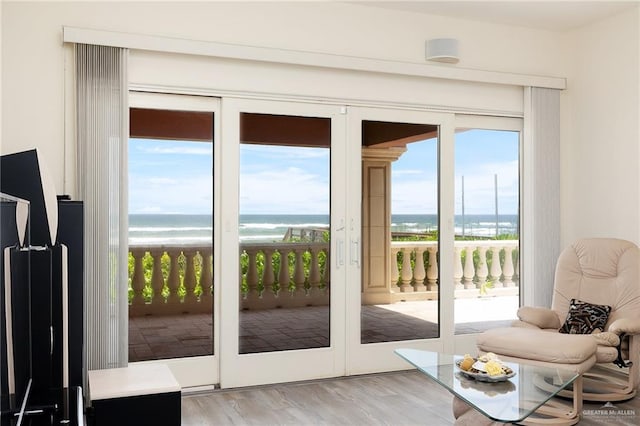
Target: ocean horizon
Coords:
[[188, 228]]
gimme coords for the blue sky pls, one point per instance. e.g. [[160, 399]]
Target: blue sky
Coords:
[[175, 177], [479, 154], [281, 180], [170, 177]]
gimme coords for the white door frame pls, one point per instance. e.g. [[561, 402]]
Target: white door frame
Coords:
[[283, 366], [377, 357], [345, 355], [195, 371]]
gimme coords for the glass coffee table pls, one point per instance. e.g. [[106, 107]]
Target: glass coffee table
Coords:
[[509, 401]]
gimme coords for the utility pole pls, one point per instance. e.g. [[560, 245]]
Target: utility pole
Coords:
[[495, 186], [463, 205]]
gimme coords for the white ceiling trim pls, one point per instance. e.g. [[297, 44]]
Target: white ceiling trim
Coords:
[[302, 58]]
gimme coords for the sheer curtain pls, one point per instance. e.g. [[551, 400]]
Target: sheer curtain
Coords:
[[102, 135], [545, 137]]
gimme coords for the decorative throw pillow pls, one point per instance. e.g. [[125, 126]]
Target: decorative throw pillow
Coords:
[[585, 318]]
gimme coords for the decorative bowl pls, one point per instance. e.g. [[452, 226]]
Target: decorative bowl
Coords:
[[483, 376]]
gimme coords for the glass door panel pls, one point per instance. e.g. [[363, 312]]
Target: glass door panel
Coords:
[[399, 231], [487, 218], [284, 240]]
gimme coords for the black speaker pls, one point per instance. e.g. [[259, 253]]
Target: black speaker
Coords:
[[15, 329], [24, 175], [70, 233]]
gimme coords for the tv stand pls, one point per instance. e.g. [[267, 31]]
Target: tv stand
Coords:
[[140, 394]]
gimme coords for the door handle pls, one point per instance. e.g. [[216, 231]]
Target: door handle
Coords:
[[355, 252], [340, 249], [354, 249]]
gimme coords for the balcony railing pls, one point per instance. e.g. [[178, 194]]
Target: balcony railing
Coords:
[[172, 279]]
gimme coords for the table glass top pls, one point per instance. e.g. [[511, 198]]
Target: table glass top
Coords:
[[511, 400]]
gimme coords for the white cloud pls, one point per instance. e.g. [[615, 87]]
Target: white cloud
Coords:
[[283, 153], [205, 149], [292, 190], [154, 194], [149, 210], [407, 172], [412, 193], [159, 181], [479, 189], [414, 196]]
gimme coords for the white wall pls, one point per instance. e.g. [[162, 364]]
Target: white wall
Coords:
[[34, 57], [601, 138]]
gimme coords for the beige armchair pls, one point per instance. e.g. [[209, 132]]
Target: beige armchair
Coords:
[[597, 295]]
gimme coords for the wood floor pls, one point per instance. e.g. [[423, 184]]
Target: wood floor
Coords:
[[401, 398]]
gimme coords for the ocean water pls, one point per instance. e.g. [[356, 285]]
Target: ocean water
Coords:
[[168, 229]]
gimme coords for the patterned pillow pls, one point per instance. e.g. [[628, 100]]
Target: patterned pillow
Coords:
[[585, 318]]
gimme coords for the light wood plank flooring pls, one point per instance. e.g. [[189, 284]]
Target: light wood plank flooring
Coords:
[[399, 398]]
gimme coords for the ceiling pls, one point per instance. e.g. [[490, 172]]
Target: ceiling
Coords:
[[559, 15]]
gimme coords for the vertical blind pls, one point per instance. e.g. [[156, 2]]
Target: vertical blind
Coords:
[[545, 129], [102, 134]]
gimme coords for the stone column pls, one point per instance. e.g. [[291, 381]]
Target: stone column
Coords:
[[377, 287]]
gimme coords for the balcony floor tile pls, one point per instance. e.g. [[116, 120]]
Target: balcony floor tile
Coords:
[[176, 336]]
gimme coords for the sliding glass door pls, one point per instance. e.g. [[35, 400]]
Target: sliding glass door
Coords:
[[395, 292], [487, 225], [311, 240], [283, 242], [172, 150], [433, 232]]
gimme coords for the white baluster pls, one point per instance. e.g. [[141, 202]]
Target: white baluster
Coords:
[[268, 277], [481, 270], [393, 266], [496, 269], [314, 272], [173, 281], [157, 280], [432, 271], [189, 277], [137, 281], [206, 277], [283, 273], [326, 274], [298, 272], [419, 274], [407, 274], [457, 269], [469, 270], [507, 269], [252, 274]]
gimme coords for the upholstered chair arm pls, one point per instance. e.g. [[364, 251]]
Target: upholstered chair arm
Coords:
[[522, 324], [626, 327], [629, 326], [540, 317], [607, 338]]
